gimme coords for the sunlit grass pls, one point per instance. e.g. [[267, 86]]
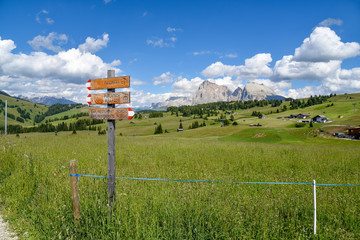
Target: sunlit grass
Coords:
[[37, 193]]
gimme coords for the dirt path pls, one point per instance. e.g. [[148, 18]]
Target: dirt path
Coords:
[[5, 234]]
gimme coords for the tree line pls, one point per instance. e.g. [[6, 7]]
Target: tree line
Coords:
[[81, 124], [211, 109], [313, 100]]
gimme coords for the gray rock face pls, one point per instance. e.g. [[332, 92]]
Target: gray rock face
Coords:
[[211, 92], [237, 94], [254, 91]]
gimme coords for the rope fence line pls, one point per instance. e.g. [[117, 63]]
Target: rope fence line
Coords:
[[75, 177], [209, 181]]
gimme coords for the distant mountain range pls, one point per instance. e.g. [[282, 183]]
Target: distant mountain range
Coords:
[[4, 93], [46, 100], [210, 92]]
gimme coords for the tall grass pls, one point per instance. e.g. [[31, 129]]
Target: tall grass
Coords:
[[37, 199]]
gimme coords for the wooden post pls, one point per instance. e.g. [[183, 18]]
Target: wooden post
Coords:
[[314, 184], [111, 148], [75, 191], [5, 117]]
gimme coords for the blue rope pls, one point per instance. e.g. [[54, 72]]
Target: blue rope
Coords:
[[205, 181]]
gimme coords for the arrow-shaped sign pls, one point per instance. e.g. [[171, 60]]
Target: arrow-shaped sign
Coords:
[[111, 113], [108, 98], [107, 83]]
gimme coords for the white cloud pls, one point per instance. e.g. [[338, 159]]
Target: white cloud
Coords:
[[145, 14], [344, 80], [38, 17], [231, 55], [163, 78], [173, 39], [49, 20], [160, 42], [324, 45], [133, 61], [107, 1], [288, 69], [50, 42], [172, 30], [141, 98], [92, 45], [202, 52], [254, 67], [278, 87], [307, 92], [137, 82], [228, 82], [71, 66], [185, 87], [330, 21], [156, 42]]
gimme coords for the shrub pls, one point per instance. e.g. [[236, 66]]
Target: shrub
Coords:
[[299, 125]]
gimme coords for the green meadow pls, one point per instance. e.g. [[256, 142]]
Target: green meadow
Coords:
[[35, 194]]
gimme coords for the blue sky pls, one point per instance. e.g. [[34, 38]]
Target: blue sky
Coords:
[[297, 48]]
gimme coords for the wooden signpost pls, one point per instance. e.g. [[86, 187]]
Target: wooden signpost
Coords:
[[109, 83], [110, 114], [108, 98]]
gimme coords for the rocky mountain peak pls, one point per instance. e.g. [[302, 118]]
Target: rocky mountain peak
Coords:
[[255, 91], [208, 92], [211, 92]]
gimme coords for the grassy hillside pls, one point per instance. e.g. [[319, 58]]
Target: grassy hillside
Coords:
[[35, 192], [340, 105], [13, 104], [25, 113]]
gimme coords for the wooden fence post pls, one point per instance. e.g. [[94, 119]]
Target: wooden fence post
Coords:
[[75, 191]]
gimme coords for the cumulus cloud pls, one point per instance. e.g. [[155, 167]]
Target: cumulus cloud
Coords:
[[319, 59], [288, 69], [254, 67], [72, 66], [141, 98], [330, 21], [91, 45], [324, 45], [163, 78], [228, 82], [185, 87], [49, 42], [278, 87], [307, 92]]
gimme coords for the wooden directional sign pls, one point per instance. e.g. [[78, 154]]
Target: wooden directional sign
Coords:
[[111, 113], [107, 83], [108, 98]]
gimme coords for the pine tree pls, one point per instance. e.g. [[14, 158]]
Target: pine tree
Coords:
[[158, 129]]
